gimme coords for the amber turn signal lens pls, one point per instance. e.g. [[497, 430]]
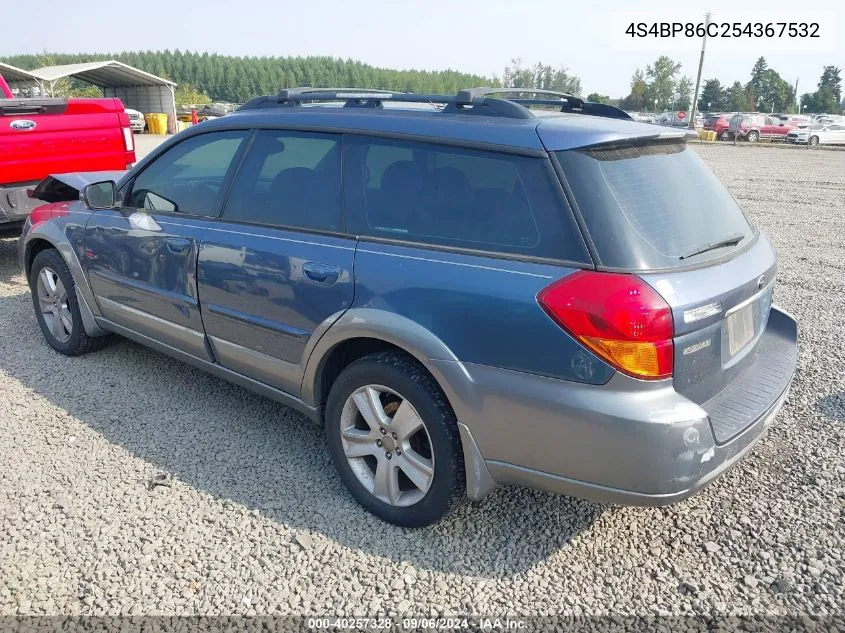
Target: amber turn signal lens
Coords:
[[644, 360]]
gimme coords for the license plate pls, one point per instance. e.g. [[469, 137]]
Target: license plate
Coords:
[[740, 328]]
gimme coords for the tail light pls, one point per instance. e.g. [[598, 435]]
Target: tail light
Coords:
[[619, 317], [128, 140], [48, 212]]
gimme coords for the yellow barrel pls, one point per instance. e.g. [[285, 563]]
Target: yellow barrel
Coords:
[[702, 135], [711, 135], [156, 123], [152, 124]]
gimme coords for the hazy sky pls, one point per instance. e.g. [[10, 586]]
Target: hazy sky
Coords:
[[467, 35]]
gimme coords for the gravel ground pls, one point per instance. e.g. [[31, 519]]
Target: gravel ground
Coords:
[[145, 143], [133, 484]]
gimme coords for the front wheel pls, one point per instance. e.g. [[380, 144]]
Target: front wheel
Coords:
[[814, 140], [394, 440], [56, 306], [725, 136], [753, 136]]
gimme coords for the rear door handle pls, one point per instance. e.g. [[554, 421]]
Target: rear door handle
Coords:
[[323, 274], [176, 244]]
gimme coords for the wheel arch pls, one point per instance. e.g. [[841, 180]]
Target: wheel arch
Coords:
[[48, 235], [33, 247], [361, 331]]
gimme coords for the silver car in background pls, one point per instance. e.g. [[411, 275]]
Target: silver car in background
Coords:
[[829, 134]]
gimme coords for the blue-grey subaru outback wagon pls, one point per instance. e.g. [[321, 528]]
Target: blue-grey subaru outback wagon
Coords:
[[466, 290]]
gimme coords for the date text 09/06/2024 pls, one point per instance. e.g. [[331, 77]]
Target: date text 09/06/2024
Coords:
[[724, 29]]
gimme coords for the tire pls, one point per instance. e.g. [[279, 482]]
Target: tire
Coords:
[[391, 381], [49, 267], [725, 136], [753, 136], [814, 140]]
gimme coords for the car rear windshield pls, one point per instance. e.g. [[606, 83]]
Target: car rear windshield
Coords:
[[653, 205]]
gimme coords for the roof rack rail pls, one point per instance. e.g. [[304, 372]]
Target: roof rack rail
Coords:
[[479, 101]]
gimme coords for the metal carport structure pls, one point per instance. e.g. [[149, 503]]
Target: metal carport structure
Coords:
[[19, 78], [136, 88]]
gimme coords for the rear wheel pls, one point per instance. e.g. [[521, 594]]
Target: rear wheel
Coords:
[[56, 306], [753, 136], [814, 140], [394, 440], [725, 135]]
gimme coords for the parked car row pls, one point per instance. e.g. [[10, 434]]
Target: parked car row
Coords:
[[815, 129], [753, 127]]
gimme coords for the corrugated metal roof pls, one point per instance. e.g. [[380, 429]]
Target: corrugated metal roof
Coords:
[[13, 73], [104, 74]]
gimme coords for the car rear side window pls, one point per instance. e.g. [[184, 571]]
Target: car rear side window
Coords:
[[651, 205], [188, 177], [289, 179], [458, 197]]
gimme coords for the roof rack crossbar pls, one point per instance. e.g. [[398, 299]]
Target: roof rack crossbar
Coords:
[[298, 95], [469, 95], [578, 106]]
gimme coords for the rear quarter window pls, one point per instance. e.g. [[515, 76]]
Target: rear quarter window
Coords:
[[458, 197]]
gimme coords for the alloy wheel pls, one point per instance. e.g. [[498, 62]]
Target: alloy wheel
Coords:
[[387, 445], [52, 301]]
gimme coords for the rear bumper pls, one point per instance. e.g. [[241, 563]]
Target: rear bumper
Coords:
[[15, 204], [628, 442]]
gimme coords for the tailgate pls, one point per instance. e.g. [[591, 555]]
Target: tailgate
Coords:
[[721, 314], [43, 136]]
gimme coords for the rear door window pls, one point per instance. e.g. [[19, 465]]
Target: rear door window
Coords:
[[457, 197], [651, 205], [289, 179]]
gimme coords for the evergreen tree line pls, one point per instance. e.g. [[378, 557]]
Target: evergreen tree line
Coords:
[[661, 86], [203, 77], [237, 79]]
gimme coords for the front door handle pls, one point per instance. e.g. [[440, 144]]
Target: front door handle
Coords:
[[322, 274], [177, 245]]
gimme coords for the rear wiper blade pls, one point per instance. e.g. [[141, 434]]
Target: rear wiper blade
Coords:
[[728, 240]]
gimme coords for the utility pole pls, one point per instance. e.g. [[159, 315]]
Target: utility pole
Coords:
[[700, 66], [796, 96]]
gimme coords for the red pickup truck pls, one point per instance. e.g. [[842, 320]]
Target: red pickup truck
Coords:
[[39, 137]]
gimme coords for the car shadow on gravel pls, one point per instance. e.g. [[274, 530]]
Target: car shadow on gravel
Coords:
[[8, 256], [244, 449], [832, 406]]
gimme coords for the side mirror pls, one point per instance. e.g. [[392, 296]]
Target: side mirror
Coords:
[[100, 195]]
